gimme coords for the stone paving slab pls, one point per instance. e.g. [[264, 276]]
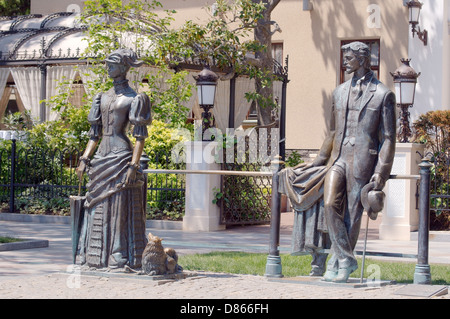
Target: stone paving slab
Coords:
[[317, 281], [206, 285], [48, 272], [425, 291]]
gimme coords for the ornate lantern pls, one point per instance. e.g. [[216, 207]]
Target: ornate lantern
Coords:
[[405, 80], [206, 82]]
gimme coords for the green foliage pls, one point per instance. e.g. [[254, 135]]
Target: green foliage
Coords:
[[433, 129], [72, 118], [218, 196], [168, 211], [294, 159], [44, 206], [137, 26], [50, 170], [293, 266], [14, 7], [163, 147], [224, 39], [6, 240], [69, 131], [163, 138], [168, 96], [5, 170], [18, 121]]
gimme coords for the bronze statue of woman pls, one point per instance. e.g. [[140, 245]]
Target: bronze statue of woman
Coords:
[[113, 231]]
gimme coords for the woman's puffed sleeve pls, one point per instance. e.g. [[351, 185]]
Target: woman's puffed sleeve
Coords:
[[95, 118], [140, 115]]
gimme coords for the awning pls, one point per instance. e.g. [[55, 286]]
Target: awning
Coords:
[[30, 37]]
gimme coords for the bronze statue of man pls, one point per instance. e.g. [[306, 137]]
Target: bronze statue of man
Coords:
[[113, 231], [359, 149]]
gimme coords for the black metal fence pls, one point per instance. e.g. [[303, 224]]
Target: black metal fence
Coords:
[[39, 179], [29, 176], [440, 191], [247, 199], [165, 192]]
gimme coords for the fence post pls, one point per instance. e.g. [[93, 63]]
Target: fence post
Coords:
[[12, 175], [273, 264], [422, 273]]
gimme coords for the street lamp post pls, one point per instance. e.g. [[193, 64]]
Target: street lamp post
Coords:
[[206, 82], [405, 80]]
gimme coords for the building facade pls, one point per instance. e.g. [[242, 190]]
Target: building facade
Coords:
[[312, 33]]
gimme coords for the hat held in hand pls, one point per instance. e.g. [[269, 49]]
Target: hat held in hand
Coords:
[[372, 200]]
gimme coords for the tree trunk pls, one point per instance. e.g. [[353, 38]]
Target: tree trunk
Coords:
[[263, 34]]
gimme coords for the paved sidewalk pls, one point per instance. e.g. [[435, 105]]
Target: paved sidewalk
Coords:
[[45, 272]]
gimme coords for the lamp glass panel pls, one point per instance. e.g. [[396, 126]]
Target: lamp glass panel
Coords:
[[407, 93], [414, 14], [398, 93], [206, 94]]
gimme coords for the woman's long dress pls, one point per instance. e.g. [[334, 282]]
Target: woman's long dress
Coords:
[[304, 187], [113, 232]]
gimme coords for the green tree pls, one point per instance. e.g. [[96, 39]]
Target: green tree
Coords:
[[111, 25], [433, 130], [237, 39], [226, 41], [14, 7], [264, 87]]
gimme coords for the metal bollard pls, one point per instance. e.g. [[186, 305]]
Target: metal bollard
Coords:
[[13, 177], [422, 275], [273, 264]]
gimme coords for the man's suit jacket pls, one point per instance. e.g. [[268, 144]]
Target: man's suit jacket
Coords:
[[375, 138]]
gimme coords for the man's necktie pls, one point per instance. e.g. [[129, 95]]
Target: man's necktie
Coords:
[[357, 90]]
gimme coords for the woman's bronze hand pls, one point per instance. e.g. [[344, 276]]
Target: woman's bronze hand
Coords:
[[131, 174]]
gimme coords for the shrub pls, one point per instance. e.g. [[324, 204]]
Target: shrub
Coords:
[[293, 159], [162, 140], [433, 129]]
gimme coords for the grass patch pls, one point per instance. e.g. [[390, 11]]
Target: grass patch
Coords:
[[6, 240], [292, 266]]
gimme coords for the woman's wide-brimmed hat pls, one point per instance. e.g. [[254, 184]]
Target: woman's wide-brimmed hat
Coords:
[[125, 57]]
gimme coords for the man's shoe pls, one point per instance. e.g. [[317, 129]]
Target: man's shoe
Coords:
[[316, 272], [344, 273], [329, 275]]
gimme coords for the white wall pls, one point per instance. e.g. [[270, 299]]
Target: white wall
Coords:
[[446, 68], [432, 60], [52, 6]]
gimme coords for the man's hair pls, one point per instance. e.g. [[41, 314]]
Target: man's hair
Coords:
[[361, 50]]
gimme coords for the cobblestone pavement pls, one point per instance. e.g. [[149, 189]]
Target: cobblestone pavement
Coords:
[[202, 285], [44, 272]]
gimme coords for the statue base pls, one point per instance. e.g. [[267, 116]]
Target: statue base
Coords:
[[125, 273]]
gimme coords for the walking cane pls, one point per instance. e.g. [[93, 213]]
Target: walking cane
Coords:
[[364, 250], [373, 202]]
